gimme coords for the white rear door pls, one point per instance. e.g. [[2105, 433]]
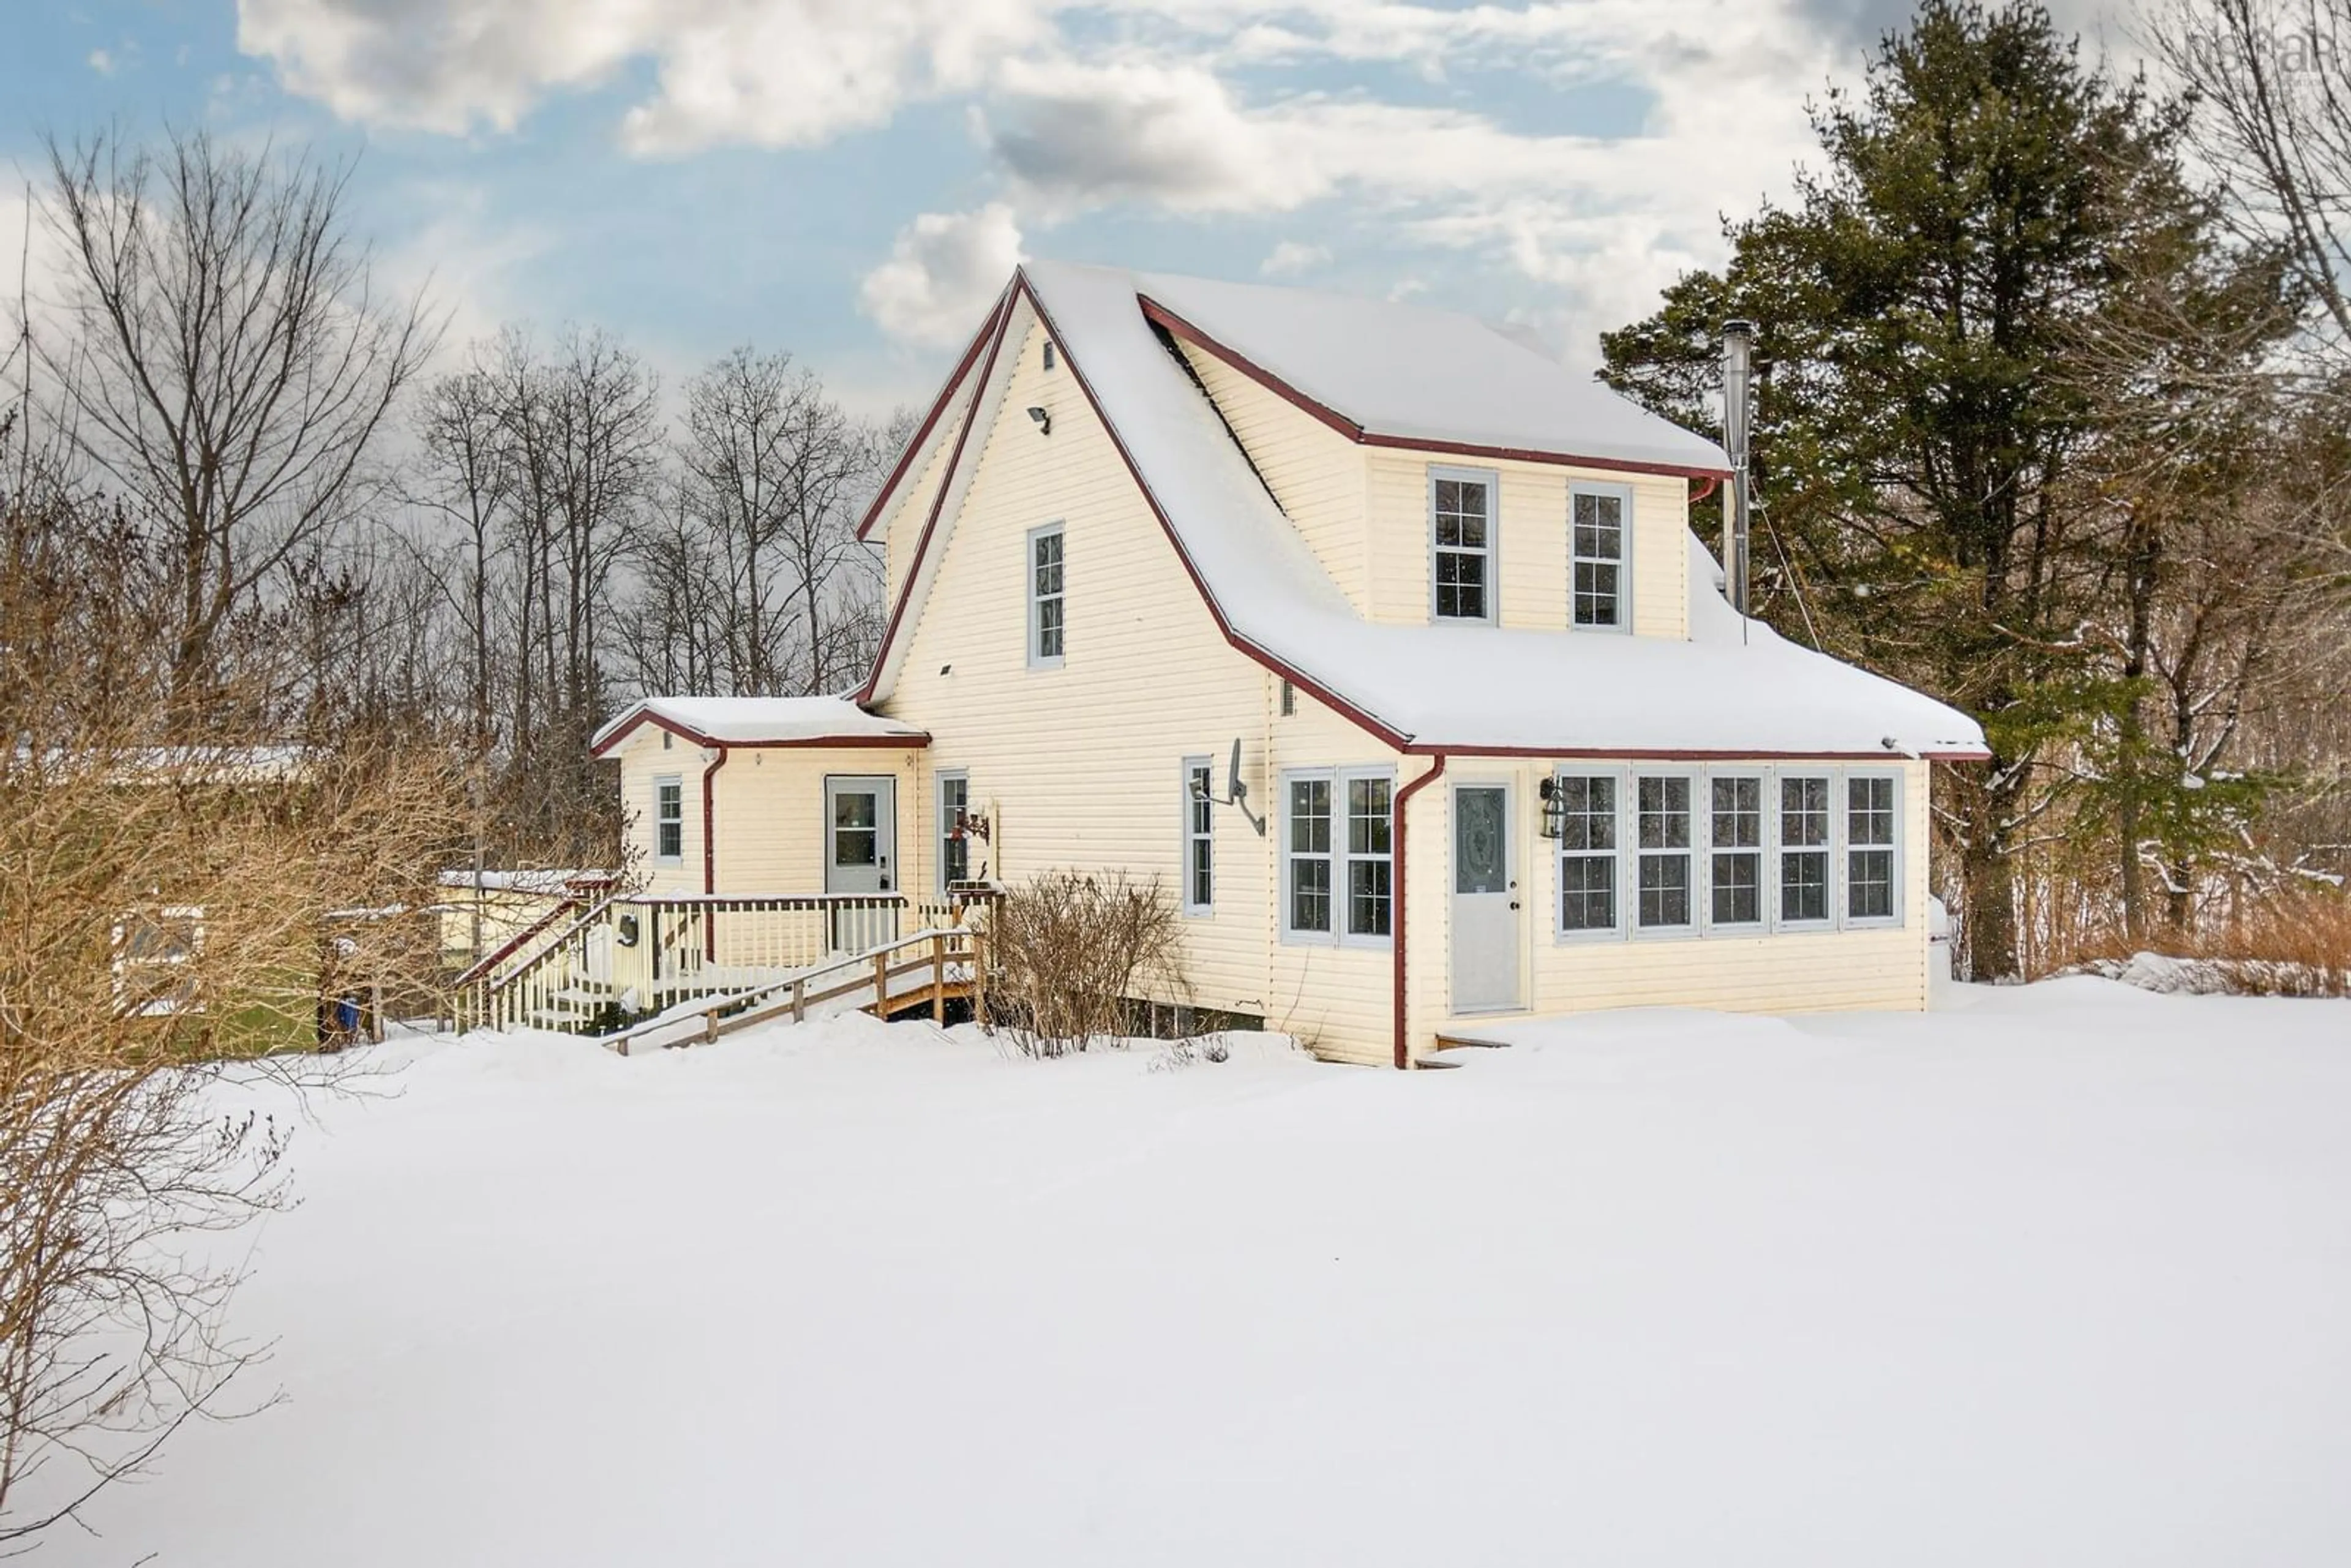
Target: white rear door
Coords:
[[1485, 900]]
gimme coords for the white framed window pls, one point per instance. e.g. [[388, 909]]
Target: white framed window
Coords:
[[1728, 851], [1370, 855], [1665, 889], [1306, 845], [1338, 856], [1199, 838], [669, 819], [953, 789], [1872, 867], [1591, 853], [1048, 604], [1599, 556], [1804, 842], [1464, 518], [1734, 885]]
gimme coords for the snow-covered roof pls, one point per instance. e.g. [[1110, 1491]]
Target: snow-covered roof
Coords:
[[1413, 373], [758, 721], [550, 882], [1735, 687]]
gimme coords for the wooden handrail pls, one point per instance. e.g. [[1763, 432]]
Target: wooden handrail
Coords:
[[761, 1005], [482, 966]]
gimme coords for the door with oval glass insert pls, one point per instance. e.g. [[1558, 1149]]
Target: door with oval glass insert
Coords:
[[1486, 939]]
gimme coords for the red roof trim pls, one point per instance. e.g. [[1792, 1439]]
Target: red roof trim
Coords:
[[688, 732], [1295, 677], [1376, 727], [923, 432], [1003, 327], [1621, 754], [1154, 311]]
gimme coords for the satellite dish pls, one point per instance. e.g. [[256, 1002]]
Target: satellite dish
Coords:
[[1235, 790]]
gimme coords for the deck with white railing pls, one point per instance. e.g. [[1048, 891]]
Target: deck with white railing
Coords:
[[602, 968]]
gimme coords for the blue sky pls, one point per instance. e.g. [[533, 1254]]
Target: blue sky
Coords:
[[852, 179]]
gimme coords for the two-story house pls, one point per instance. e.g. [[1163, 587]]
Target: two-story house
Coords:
[[1502, 746]]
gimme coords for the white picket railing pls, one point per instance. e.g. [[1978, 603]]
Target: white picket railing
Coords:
[[632, 955]]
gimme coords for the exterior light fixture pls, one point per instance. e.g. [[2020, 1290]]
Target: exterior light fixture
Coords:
[[1044, 420], [1554, 810]]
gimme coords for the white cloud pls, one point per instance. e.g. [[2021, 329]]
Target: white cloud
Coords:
[[1292, 258], [943, 270], [102, 62], [1171, 107], [775, 72]]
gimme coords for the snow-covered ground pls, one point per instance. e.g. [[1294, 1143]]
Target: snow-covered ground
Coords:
[[2061, 1275]]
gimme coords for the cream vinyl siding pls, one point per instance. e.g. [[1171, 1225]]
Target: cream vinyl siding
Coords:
[[1317, 476], [1882, 967], [642, 761], [1079, 766], [902, 526], [770, 806], [1531, 541], [1336, 998]]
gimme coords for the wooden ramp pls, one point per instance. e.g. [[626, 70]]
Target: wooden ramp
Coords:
[[913, 974]]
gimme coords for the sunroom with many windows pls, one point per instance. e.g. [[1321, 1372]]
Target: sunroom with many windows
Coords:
[[1659, 852]]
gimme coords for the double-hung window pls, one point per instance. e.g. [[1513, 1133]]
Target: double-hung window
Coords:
[[669, 819], [1306, 854], [1600, 536], [1461, 519], [1663, 850], [1804, 850], [1587, 853], [1199, 838], [1370, 855], [1870, 880], [1048, 597], [1339, 855], [1735, 851], [954, 849]]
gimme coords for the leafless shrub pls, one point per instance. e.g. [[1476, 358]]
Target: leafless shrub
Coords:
[[179, 888], [1070, 951]]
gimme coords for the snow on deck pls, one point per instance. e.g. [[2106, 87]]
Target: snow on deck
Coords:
[[2059, 1277]]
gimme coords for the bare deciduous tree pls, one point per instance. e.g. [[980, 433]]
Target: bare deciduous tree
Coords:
[[229, 361]]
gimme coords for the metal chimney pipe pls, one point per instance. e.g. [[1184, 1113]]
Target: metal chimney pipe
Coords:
[[1738, 410]]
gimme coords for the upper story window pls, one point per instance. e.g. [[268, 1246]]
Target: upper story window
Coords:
[[1461, 522], [1600, 544], [669, 819], [1048, 597]]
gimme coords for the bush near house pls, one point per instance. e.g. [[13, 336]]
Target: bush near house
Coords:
[[1071, 952]]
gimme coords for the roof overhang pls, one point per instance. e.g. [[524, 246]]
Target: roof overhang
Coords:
[[615, 735], [908, 462]]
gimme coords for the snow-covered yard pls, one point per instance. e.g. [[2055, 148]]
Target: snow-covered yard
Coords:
[[2061, 1275]]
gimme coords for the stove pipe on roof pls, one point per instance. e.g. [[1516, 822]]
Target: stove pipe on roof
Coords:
[[1738, 408]]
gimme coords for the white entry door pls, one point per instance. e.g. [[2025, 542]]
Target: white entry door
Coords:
[[861, 835], [1485, 900]]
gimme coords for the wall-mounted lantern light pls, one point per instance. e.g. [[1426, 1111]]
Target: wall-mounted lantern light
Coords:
[[1554, 810], [1044, 418]]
